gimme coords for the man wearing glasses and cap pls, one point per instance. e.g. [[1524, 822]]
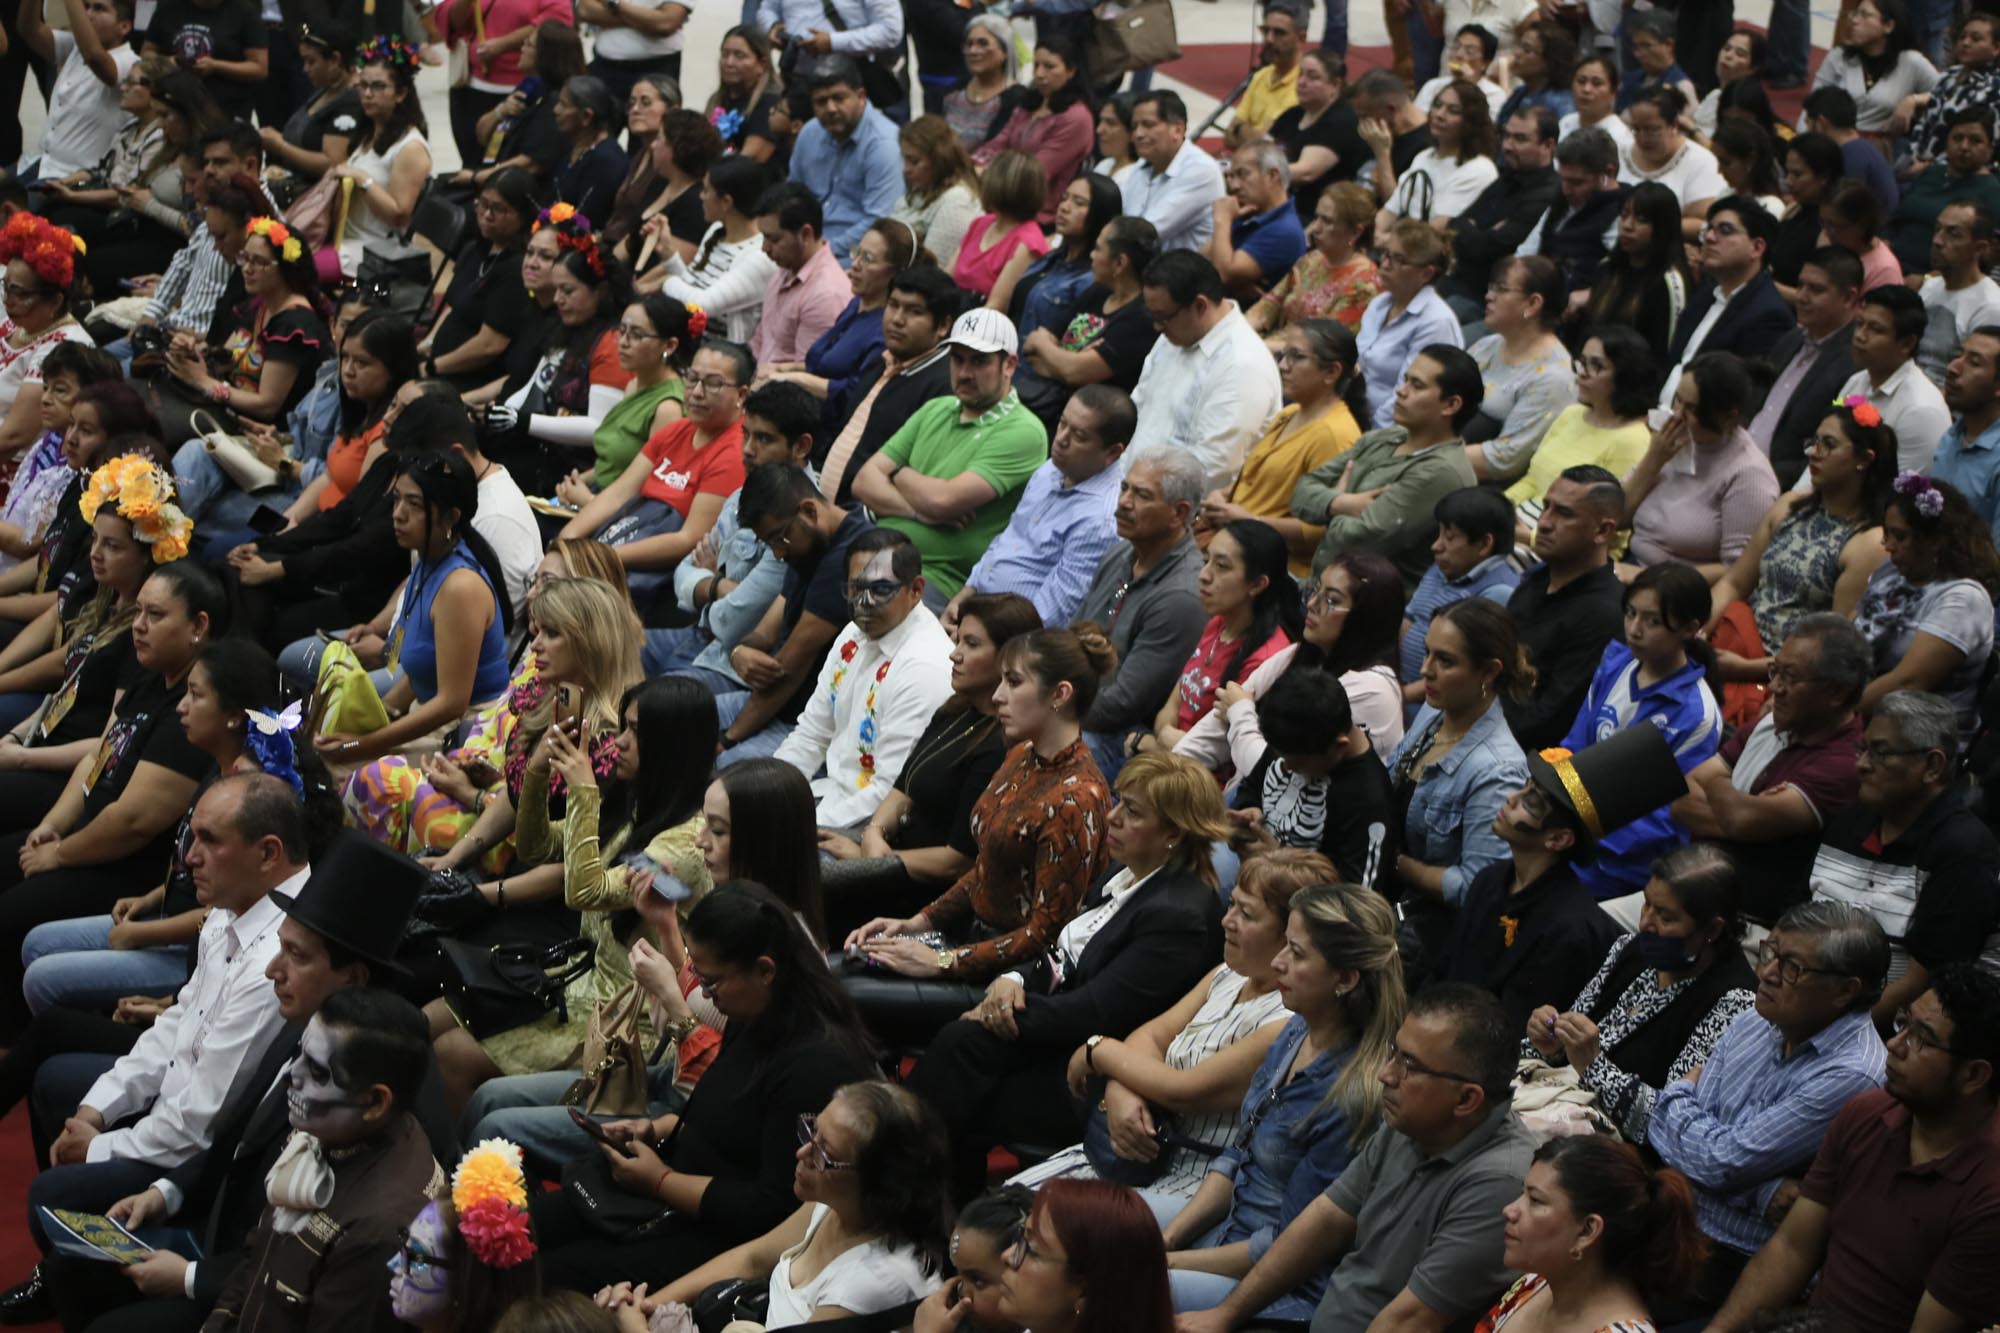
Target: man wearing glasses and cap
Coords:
[[952, 475]]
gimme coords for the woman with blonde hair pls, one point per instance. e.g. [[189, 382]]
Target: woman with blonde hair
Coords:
[[1143, 937], [1011, 192], [941, 188], [1313, 1103], [458, 809], [1335, 279]]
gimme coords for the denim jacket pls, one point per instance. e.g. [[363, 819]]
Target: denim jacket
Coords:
[[316, 420], [1450, 822], [1283, 1155]]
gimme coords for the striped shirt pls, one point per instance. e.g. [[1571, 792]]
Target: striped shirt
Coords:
[[1948, 847], [193, 283], [1757, 1116]]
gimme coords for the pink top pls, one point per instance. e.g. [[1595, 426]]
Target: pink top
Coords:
[[1061, 142], [500, 17], [1202, 675], [977, 269], [1879, 268], [798, 307]]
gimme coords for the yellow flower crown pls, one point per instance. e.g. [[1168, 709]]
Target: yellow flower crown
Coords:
[[491, 1170], [280, 236], [141, 492]]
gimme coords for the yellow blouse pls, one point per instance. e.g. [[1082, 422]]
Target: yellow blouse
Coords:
[[1276, 462], [1571, 441]]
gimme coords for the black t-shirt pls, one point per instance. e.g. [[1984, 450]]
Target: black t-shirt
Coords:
[[180, 895], [485, 291], [1122, 338], [755, 122], [816, 585], [1405, 148], [589, 183], [684, 216], [226, 31], [65, 554], [948, 770], [308, 128], [1329, 814], [524, 355], [299, 338], [533, 135], [145, 729], [93, 667], [1336, 130]]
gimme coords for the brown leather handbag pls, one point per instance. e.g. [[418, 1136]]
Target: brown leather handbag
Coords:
[[613, 1079]]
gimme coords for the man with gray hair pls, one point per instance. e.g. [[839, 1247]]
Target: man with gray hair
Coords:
[[1744, 1125], [1911, 854], [1258, 235], [1146, 595], [1770, 791]]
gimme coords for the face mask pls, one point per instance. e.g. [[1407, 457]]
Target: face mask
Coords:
[[1663, 952]]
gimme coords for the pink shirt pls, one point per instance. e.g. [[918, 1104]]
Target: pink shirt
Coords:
[[1879, 268], [798, 307], [1061, 142], [1202, 675], [500, 17], [977, 269]]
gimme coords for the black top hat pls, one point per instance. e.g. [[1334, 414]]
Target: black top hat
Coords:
[[1606, 786], [359, 895]]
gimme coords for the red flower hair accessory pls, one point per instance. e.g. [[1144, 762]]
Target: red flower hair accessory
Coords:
[[49, 251], [1865, 413], [697, 321], [573, 232]]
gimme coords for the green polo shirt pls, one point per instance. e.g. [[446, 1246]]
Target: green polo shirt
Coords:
[[1004, 446]]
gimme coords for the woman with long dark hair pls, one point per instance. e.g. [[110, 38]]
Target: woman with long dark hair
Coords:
[[758, 823], [1053, 124], [1813, 166], [1254, 612], [1326, 402], [279, 337], [486, 304], [1644, 283], [521, 131], [1703, 484], [155, 213], [871, 1223], [1544, 59], [1878, 65], [651, 97], [390, 162], [657, 339], [378, 357], [1353, 615], [1043, 293], [1444, 179], [1748, 161], [317, 136], [1617, 383], [730, 270], [448, 640], [941, 187], [721, 1170], [1815, 550], [1524, 368], [746, 90], [614, 844]]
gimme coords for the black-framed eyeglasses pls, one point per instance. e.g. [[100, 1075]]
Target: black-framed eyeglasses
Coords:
[[780, 538], [1790, 969], [415, 1257], [1399, 1060], [1018, 1247], [819, 1157], [708, 383], [1919, 1038], [877, 590], [1875, 754]]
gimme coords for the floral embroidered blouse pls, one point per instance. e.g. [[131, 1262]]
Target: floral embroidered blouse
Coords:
[[1040, 829], [1315, 289], [1525, 1289]]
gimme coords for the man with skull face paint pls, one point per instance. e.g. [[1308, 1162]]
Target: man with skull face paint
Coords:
[[888, 672], [357, 1164]]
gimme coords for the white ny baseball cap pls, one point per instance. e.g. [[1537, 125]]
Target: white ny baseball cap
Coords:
[[985, 331]]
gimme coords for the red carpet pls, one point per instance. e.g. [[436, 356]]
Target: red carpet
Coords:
[[17, 1252]]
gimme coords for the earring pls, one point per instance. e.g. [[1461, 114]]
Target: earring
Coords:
[[1575, 1252]]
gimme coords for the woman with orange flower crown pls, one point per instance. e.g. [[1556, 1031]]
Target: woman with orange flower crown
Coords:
[[465, 1259], [389, 162], [1814, 551], [42, 263], [268, 361]]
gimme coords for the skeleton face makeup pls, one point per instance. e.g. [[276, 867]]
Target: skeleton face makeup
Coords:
[[870, 592], [318, 1105], [419, 1277]]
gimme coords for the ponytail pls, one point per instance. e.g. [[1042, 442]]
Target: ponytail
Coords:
[[1650, 1236]]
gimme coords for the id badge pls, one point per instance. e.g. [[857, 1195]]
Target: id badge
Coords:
[[57, 710], [395, 655], [97, 767]]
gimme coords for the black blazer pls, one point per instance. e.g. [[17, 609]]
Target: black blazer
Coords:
[[1756, 318], [350, 547], [1143, 960], [1809, 402]]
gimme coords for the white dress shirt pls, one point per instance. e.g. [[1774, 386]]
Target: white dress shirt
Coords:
[[1912, 406], [1180, 201], [183, 1066], [1710, 318], [873, 699], [1213, 399], [1083, 927]]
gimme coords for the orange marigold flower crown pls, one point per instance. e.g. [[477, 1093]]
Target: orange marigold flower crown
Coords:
[[48, 250], [573, 232], [489, 1191], [288, 246], [141, 492]]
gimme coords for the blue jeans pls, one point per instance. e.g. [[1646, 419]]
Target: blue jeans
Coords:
[[1334, 36], [298, 663], [1932, 24], [521, 1108], [71, 965], [1108, 749], [761, 746], [1426, 51], [122, 349], [672, 652], [211, 498], [1788, 48]]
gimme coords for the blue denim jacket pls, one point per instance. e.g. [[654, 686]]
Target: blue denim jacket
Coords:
[[1283, 1156], [1450, 822], [316, 420]]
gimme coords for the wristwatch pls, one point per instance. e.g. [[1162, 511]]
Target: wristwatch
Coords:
[[947, 959], [1090, 1045]]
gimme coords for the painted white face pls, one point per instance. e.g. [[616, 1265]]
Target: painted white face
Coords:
[[419, 1273], [870, 594], [317, 1104]]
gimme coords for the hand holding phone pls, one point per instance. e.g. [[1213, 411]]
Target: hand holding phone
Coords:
[[596, 1131]]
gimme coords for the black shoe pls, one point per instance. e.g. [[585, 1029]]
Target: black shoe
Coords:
[[27, 1302]]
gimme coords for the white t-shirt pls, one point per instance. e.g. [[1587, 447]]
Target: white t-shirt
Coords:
[[1951, 315], [1496, 96], [1436, 186], [630, 44], [84, 114], [1691, 173], [1615, 126], [865, 1280], [508, 525]]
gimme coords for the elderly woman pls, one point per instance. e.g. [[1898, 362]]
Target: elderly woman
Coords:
[[41, 266], [1523, 366], [1335, 279], [991, 93], [997, 1074]]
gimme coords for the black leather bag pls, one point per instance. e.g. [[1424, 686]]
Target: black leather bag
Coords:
[[733, 1298], [497, 988], [604, 1207], [1104, 1158], [450, 903]]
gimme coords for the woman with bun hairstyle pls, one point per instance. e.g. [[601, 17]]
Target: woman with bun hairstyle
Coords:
[[1040, 825], [1598, 1239]]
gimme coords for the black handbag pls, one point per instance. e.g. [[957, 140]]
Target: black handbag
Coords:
[[450, 903], [604, 1207], [733, 1298], [1104, 1158], [402, 285], [497, 988]]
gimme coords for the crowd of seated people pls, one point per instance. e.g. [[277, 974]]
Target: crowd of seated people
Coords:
[[919, 699]]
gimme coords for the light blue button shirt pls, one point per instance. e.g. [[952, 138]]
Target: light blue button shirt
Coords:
[[1389, 345], [857, 179], [1974, 467]]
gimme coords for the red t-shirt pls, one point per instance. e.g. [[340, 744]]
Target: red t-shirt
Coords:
[[681, 471], [1899, 1231], [1202, 676]]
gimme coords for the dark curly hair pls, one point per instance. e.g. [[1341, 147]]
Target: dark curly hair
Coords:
[[1964, 540]]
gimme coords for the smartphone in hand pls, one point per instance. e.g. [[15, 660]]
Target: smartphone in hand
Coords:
[[596, 1131]]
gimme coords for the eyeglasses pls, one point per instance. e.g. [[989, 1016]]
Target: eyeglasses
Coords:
[[1876, 754], [1325, 599], [1502, 289], [15, 294], [780, 541], [878, 590], [248, 260], [1784, 675], [1721, 229], [1399, 1060], [1019, 1248], [1823, 444], [1905, 1028], [1790, 969], [709, 383], [1291, 356], [374, 86], [635, 333], [488, 206], [1390, 259], [863, 257], [809, 1138], [414, 1257]]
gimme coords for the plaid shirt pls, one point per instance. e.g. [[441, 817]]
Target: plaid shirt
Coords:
[[1757, 1116]]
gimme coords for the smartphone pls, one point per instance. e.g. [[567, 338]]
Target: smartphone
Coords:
[[596, 1131], [570, 713], [265, 520]]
